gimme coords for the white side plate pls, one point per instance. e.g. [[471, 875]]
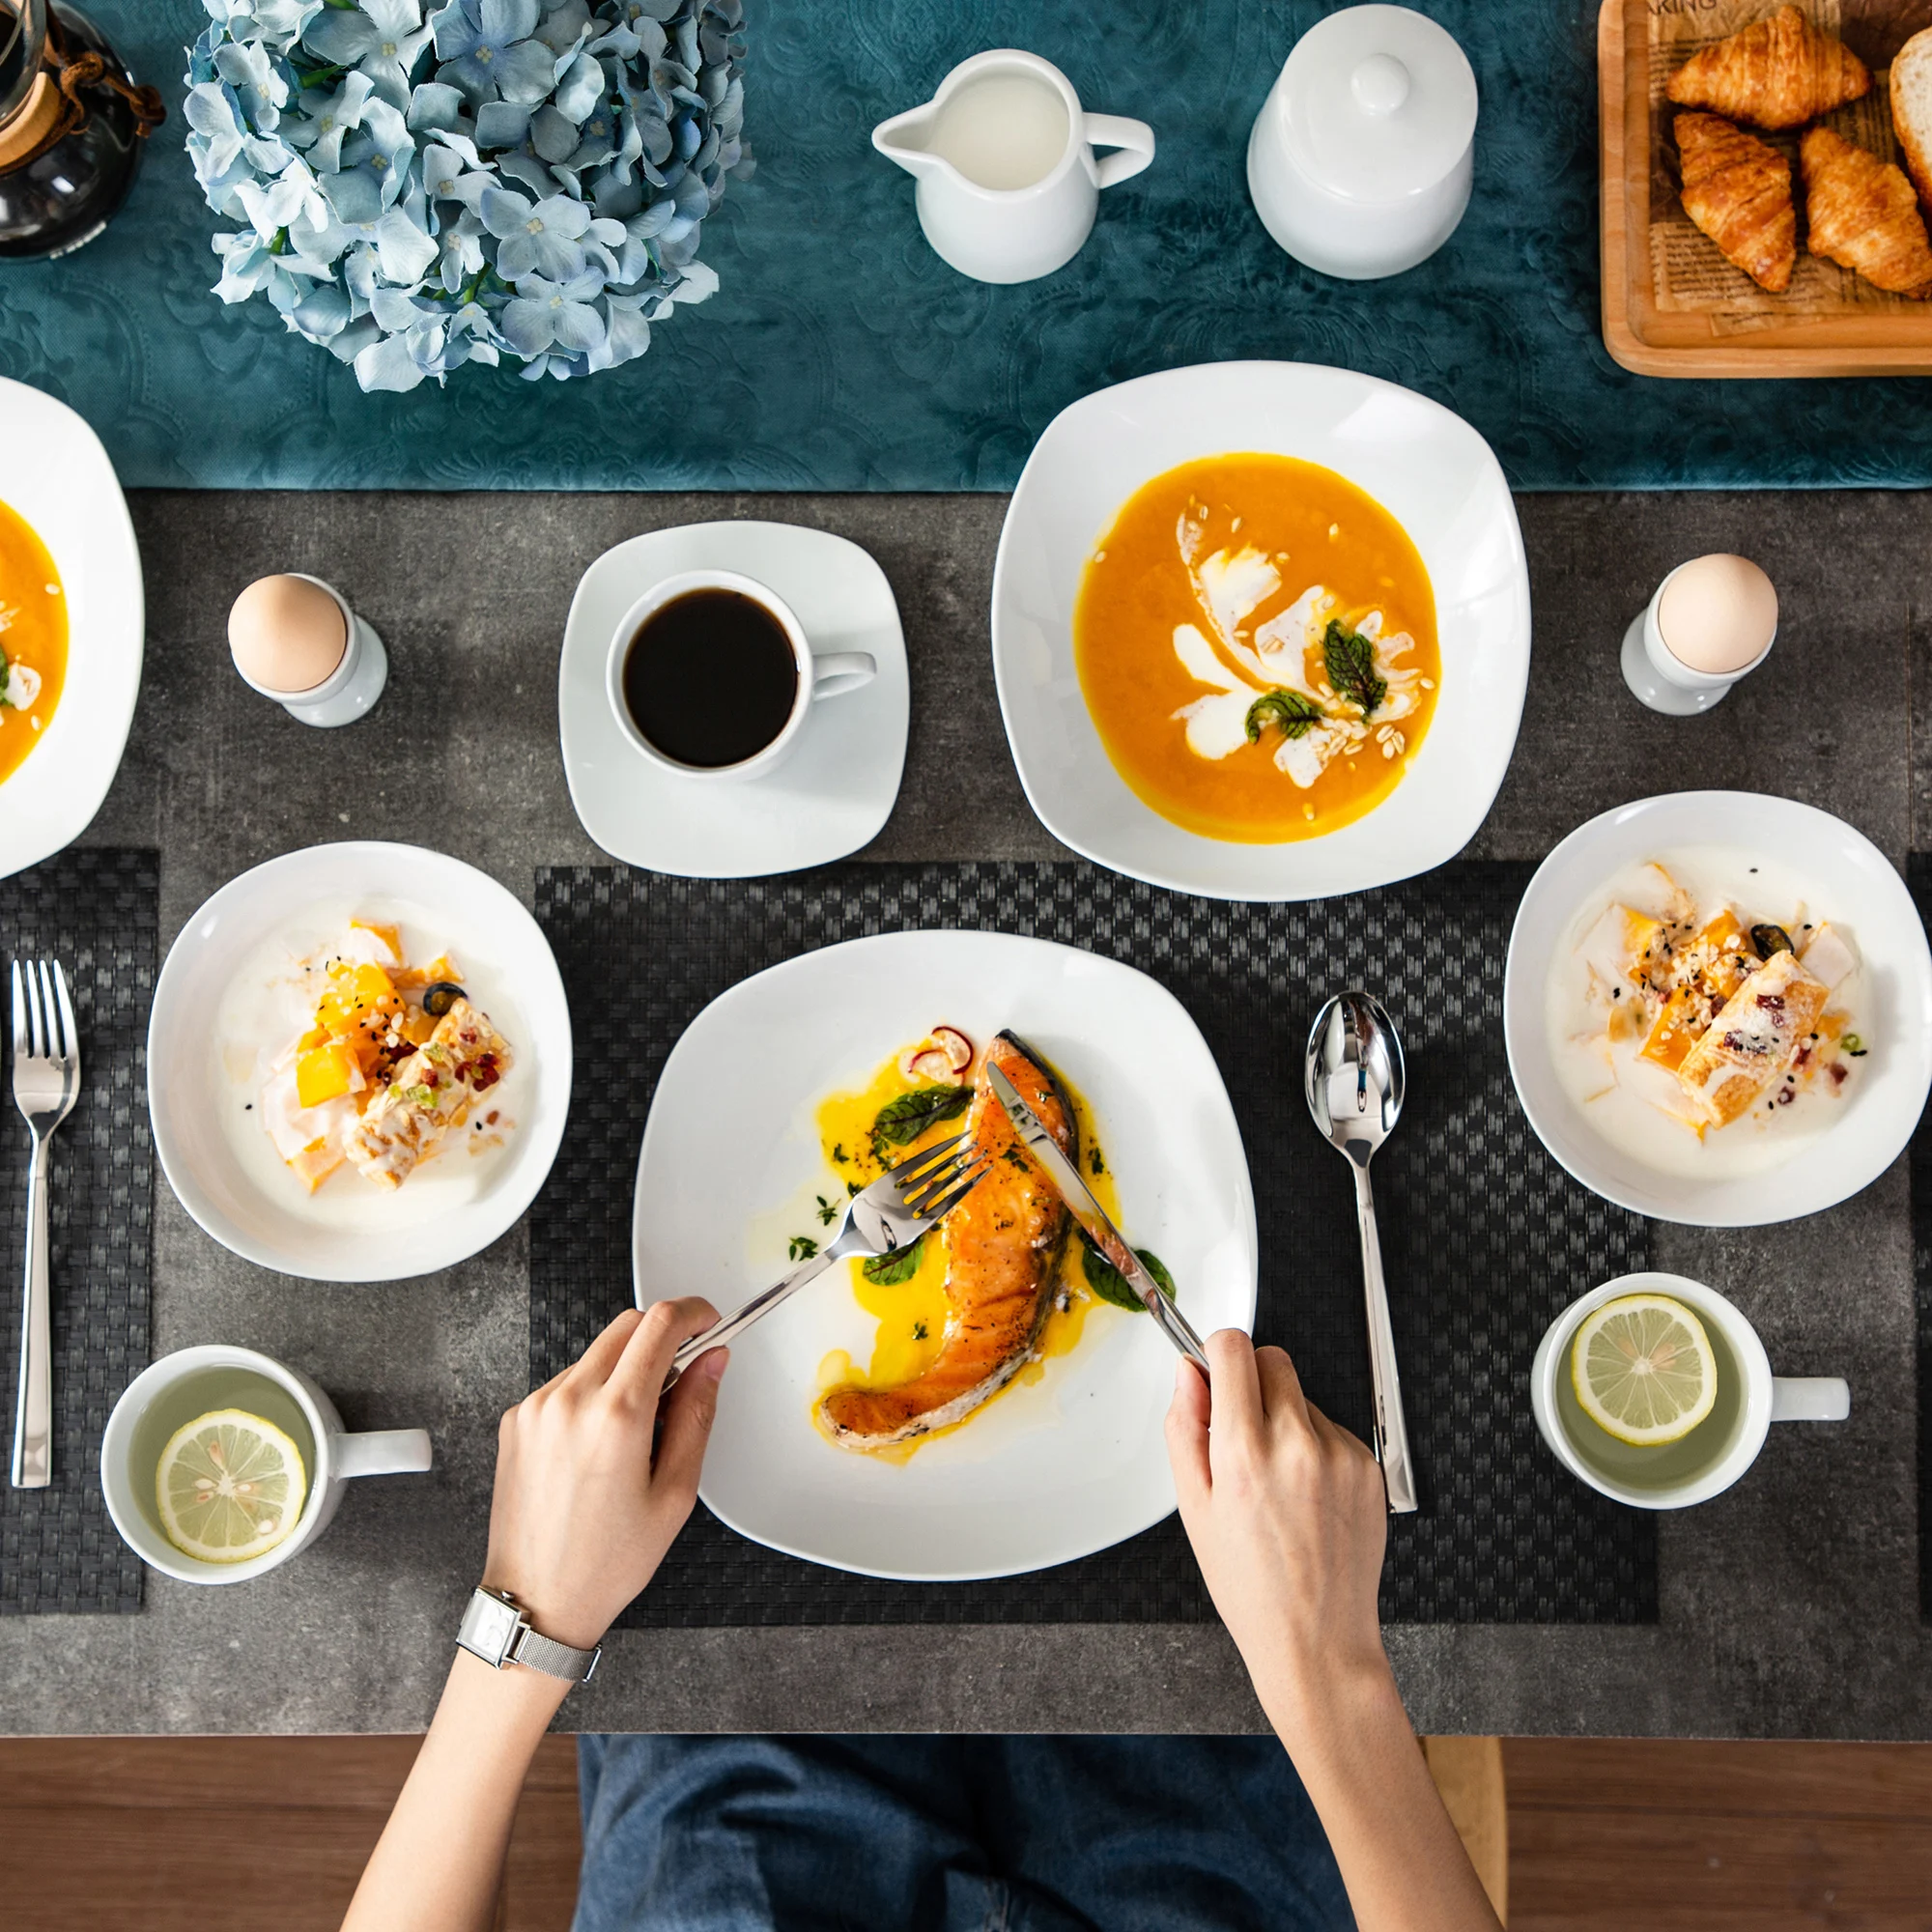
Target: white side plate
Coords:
[[200, 1082], [1427, 467], [835, 790], [54, 474], [1854, 885], [1051, 1469]]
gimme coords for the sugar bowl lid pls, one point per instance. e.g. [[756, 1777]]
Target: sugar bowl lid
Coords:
[[1377, 104]]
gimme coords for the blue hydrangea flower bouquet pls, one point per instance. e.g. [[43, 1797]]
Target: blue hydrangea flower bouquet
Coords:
[[487, 179]]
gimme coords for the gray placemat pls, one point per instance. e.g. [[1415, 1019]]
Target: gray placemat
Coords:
[[1485, 1236], [96, 912], [1919, 1165]]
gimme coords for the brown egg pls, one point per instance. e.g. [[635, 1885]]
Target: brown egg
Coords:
[[1717, 614], [287, 634]]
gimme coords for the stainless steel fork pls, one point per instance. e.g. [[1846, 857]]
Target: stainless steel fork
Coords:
[[904, 1204], [46, 1078]]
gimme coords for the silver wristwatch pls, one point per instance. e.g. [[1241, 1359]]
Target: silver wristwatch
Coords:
[[493, 1628]]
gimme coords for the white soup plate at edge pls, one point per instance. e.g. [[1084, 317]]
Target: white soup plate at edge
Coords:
[[834, 792], [1847, 880], [214, 1036], [1433, 472], [56, 476], [1055, 1467]]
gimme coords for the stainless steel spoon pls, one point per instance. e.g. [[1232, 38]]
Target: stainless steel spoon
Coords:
[[1354, 1082]]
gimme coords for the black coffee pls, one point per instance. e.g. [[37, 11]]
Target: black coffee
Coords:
[[710, 678]]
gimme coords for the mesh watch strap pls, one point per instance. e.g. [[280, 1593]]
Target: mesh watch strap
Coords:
[[554, 1659]]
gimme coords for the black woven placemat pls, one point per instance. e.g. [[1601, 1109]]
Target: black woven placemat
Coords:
[[1485, 1236], [96, 912]]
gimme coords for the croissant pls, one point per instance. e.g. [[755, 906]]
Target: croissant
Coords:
[[1773, 73], [1738, 190], [1862, 215]]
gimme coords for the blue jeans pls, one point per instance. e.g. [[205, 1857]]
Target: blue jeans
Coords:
[[949, 1835]]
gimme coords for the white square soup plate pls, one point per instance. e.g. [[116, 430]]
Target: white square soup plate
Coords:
[[55, 474], [1425, 466], [1051, 1469]]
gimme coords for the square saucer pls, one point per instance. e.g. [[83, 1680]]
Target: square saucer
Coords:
[[837, 789]]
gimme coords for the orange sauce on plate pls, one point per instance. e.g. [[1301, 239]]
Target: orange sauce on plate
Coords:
[[32, 633], [912, 1314], [1306, 526]]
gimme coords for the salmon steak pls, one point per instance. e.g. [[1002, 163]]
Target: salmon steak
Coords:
[[1003, 1248]]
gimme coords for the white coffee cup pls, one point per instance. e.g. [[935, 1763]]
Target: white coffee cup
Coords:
[[340, 1454], [819, 677], [1702, 1467]]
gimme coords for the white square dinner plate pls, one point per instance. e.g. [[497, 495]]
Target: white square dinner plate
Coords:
[[55, 474], [1425, 466], [1052, 1468]]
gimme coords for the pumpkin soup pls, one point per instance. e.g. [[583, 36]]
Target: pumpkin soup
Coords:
[[33, 639], [1256, 643]]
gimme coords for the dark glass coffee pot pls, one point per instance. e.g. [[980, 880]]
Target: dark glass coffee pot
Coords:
[[72, 122]]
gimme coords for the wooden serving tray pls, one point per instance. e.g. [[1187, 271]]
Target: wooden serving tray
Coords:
[[1652, 340]]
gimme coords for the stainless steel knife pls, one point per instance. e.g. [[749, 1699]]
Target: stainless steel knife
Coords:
[[1092, 1218]]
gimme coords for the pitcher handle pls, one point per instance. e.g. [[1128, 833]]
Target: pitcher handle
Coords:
[[1135, 140]]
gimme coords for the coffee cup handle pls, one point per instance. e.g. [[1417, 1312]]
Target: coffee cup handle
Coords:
[[1135, 140], [383, 1452], [1809, 1399], [838, 671]]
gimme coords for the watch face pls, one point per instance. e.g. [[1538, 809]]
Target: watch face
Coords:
[[488, 1627]]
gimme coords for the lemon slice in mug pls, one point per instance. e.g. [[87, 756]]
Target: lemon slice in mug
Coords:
[[230, 1487], [1643, 1370]]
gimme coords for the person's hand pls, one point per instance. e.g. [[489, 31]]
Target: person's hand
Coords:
[[1288, 1518], [584, 1507]]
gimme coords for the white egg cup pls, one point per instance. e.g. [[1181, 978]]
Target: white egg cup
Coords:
[[351, 688], [1661, 679]]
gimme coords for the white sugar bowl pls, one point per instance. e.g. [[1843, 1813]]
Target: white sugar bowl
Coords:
[[1360, 160]]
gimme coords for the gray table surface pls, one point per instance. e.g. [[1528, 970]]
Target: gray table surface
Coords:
[[1789, 1605]]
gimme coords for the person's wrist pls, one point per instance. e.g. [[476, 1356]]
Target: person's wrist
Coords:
[[547, 1613], [1315, 1704], [516, 1696]]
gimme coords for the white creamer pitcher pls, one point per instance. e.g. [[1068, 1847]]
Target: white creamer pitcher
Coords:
[[1003, 156]]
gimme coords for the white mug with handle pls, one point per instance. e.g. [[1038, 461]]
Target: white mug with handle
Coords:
[[1721, 1448], [172, 1392], [1009, 183], [820, 674]]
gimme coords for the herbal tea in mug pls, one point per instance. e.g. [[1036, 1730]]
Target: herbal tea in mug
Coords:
[[1652, 1394], [221, 1463]]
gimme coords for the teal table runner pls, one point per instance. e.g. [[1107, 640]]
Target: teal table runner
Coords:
[[840, 354]]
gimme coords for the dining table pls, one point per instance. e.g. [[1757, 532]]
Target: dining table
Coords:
[[1788, 1606]]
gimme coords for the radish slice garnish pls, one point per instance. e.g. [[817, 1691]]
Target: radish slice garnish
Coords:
[[943, 1055], [956, 1048]]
